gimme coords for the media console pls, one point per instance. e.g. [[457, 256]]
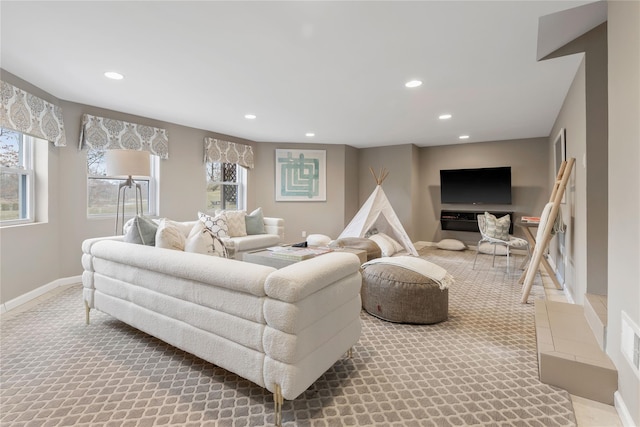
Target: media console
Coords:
[[467, 220]]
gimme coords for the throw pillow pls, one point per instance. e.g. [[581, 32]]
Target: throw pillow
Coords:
[[497, 228], [386, 247], [254, 222], [142, 231], [169, 235], [236, 223], [202, 241], [451, 245], [397, 246], [216, 224]]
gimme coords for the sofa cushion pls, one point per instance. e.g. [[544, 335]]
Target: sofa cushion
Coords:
[[217, 224], [170, 235], [251, 242], [141, 231], [254, 222]]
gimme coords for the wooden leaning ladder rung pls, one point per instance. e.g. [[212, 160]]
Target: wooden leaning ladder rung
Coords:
[[540, 247]]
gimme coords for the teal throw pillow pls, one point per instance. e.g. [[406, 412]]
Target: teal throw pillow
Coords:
[[255, 222]]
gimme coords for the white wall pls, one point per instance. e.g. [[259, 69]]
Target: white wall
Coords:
[[624, 192]]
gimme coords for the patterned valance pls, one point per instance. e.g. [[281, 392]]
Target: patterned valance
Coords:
[[217, 150], [108, 134], [26, 113]]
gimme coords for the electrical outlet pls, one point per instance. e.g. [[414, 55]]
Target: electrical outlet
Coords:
[[630, 343], [304, 234]]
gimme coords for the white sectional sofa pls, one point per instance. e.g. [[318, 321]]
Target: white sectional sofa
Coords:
[[281, 329]]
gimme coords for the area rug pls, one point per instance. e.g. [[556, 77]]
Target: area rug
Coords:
[[477, 368]]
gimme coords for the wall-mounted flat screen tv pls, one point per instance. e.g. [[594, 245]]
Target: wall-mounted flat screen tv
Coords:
[[476, 186]]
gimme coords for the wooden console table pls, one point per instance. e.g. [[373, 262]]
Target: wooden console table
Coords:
[[528, 233]]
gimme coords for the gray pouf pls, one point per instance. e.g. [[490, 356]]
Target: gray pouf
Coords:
[[400, 295], [372, 248]]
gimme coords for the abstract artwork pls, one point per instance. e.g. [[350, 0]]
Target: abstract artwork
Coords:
[[301, 175]]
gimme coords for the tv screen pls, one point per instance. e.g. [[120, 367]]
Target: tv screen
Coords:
[[476, 186]]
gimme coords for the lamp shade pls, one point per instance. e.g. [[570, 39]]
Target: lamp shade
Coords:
[[126, 163]]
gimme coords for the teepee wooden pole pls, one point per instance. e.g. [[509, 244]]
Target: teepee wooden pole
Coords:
[[381, 177], [541, 246]]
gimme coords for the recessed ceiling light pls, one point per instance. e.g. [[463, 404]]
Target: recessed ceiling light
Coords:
[[250, 116], [113, 75], [309, 134], [413, 83], [463, 137], [444, 116]]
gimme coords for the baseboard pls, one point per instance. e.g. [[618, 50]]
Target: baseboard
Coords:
[[623, 412], [30, 296]]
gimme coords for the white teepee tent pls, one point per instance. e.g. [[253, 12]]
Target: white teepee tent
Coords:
[[377, 213]]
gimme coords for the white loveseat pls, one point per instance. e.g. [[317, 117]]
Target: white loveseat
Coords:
[[281, 329], [237, 246], [274, 235]]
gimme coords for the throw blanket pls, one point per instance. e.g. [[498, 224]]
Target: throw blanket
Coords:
[[420, 266]]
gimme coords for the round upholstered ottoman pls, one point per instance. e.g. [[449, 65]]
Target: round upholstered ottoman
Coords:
[[400, 295], [372, 248]]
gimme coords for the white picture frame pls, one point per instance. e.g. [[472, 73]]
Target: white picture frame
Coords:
[[300, 175], [560, 154]]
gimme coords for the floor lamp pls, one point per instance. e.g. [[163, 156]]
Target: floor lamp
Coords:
[[125, 164]]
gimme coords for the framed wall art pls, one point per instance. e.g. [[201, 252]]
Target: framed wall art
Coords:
[[560, 154], [301, 175]]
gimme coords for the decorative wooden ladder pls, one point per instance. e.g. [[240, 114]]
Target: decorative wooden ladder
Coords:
[[541, 246]]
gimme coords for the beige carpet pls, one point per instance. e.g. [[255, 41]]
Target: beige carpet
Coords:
[[477, 368]]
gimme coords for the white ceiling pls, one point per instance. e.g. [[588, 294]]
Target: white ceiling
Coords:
[[334, 68]]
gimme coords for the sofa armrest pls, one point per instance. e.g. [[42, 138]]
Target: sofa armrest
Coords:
[[86, 244], [297, 281], [274, 225]]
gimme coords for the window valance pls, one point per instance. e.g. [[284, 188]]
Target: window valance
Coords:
[[29, 114], [217, 150], [108, 134]]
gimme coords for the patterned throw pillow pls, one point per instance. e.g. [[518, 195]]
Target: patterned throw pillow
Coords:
[[236, 223], [216, 224], [201, 240], [497, 228]]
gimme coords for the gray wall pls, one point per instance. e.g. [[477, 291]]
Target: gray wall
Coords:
[[529, 163], [624, 191], [572, 118], [37, 254], [398, 161], [326, 217], [594, 156]]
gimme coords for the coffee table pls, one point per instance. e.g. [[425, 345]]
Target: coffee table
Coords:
[[265, 257]]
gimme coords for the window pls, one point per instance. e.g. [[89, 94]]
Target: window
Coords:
[[102, 191], [17, 177], [225, 186]]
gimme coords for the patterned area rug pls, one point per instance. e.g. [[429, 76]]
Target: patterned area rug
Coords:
[[477, 368]]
